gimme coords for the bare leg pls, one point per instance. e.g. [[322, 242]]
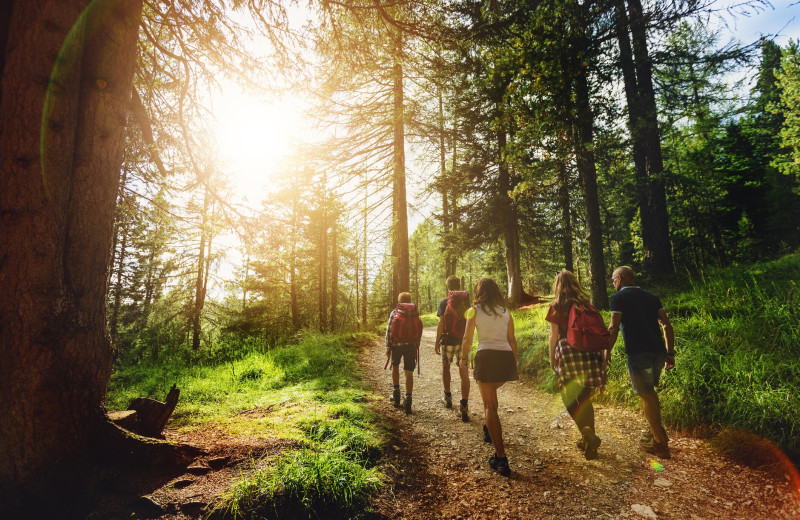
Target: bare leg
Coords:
[[446, 376], [463, 371], [489, 397], [409, 381], [396, 375], [651, 407]]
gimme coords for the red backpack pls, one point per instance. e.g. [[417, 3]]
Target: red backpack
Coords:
[[406, 326], [454, 320], [586, 330]]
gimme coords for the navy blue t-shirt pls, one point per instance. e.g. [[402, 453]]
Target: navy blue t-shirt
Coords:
[[640, 328]]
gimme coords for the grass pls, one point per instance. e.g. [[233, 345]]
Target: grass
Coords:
[[738, 352], [314, 394]]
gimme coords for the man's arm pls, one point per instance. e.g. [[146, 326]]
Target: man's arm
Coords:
[[439, 330], [613, 327], [669, 338]]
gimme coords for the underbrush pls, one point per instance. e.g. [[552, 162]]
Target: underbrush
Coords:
[[309, 391], [737, 333]]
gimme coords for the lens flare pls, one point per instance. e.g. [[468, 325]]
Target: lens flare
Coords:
[[469, 313], [656, 465]]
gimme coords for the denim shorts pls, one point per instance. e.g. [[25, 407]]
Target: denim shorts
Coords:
[[645, 370]]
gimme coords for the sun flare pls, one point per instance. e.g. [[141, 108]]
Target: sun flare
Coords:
[[255, 136]]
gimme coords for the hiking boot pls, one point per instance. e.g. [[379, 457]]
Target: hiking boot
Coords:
[[407, 404], [486, 436], [500, 465], [447, 400], [464, 413], [656, 448], [590, 443], [396, 398], [581, 444]]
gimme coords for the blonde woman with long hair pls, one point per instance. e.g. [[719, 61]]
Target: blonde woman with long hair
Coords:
[[580, 374], [495, 361]]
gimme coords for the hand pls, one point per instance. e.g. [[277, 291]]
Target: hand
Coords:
[[388, 351], [669, 364], [463, 362], [437, 349]]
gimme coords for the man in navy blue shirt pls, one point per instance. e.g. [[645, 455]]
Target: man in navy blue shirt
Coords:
[[649, 346]]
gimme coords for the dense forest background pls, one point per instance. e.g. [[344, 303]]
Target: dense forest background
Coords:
[[541, 135]]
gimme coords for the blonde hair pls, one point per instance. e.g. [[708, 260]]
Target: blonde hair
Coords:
[[453, 283], [567, 291], [404, 297]]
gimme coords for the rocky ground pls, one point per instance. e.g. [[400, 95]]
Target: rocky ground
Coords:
[[438, 464]]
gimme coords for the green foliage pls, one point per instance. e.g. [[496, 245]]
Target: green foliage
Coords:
[[788, 161], [308, 391]]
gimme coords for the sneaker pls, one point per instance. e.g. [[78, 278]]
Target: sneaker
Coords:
[[656, 448], [464, 413], [447, 400], [396, 397], [407, 404], [486, 436], [500, 465]]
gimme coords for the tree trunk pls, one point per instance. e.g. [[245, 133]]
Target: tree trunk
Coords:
[[637, 131], [449, 260], [334, 276], [364, 262], [322, 258], [57, 209], [400, 263], [199, 285], [584, 153], [566, 217], [510, 224], [661, 246]]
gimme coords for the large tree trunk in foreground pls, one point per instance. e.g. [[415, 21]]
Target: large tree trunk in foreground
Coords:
[[56, 221]]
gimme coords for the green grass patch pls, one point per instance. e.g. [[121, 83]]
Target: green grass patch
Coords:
[[309, 391], [737, 336], [429, 319]]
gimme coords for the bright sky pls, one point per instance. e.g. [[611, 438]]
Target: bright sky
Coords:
[[255, 135], [783, 20]]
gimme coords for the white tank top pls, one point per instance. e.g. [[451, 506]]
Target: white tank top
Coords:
[[492, 329]]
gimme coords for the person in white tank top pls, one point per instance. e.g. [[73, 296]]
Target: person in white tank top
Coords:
[[495, 361]]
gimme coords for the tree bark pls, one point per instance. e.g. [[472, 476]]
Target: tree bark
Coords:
[[199, 289], [510, 224], [566, 217], [400, 264], [637, 131], [584, 153], [334, 276], [57, 209], [660, 241]]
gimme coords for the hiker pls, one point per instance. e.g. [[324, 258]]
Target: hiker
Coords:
[[449, 334], [495, 361], [403, 334], [648, 348], [580, 374]]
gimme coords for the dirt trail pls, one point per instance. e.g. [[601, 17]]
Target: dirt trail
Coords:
[[438, 465]]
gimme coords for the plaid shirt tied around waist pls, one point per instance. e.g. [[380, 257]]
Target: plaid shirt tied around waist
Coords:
[[588, 368]]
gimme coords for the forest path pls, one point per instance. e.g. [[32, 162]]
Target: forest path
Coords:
[[438, 466]]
